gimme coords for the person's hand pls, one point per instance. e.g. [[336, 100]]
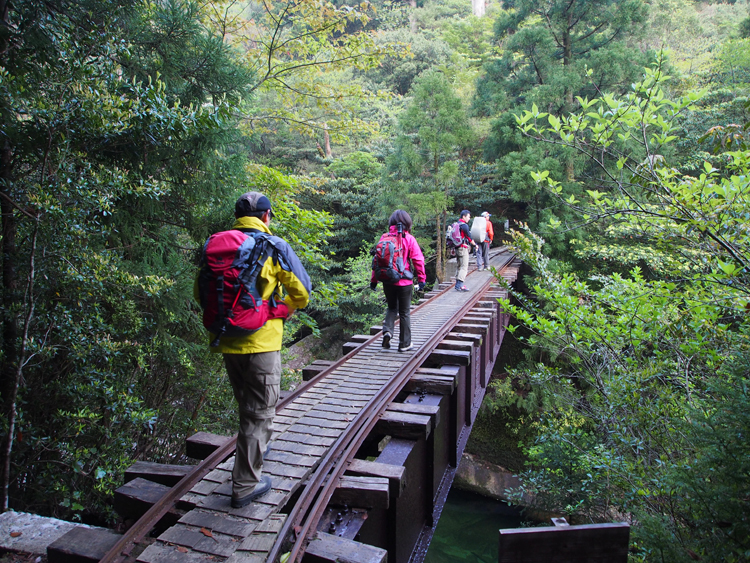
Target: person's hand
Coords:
[[373, 285], [420, 286]]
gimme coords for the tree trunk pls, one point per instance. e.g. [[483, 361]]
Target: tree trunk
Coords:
[[412, 16], [327, 141], [9, 364], [567, 61], [444, 248], [439, 269]]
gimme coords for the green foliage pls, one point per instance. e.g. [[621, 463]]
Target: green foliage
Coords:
[[732, 64], [123, 151], [436, 116], [706, 210], [553, 54], [362, 166], [690, 34], [471, 37], [744, 29], [634, 372], [424, 167], [175, 40], [481, 187], [714, 476], [357, 217], [306, 230], [307, 53], [396, 73], [504, 424], [431, 14], [356, 305], [99, 359], [561, 49], [708, 485], [708, 127], [111, 179]]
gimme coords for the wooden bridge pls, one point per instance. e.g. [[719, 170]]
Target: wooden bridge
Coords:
[[363, 453]]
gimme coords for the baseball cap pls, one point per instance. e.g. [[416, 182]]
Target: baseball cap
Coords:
[[486, 214], [250, 202]]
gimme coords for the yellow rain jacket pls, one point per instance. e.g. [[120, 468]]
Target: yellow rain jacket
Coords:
[[295, 281]]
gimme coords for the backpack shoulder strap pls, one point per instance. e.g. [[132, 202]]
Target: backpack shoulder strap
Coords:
[[253, 257]]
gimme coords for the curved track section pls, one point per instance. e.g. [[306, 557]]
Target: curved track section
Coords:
[[342, 403], [303, 519]]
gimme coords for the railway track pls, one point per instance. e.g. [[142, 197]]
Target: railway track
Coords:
[[357, 389]]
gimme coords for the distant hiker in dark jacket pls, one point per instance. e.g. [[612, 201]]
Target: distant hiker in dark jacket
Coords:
[[462, 251], [398, 294], [253, 362]]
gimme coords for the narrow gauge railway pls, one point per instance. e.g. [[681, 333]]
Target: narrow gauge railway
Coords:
[[319, 430]]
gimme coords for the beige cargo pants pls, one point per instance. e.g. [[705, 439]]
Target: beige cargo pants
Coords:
[[462, 260], [256, 380]]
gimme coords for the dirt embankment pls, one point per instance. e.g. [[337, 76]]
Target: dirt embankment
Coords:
[[325, 347]]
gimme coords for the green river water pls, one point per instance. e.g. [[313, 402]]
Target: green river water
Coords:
[[468, 529]]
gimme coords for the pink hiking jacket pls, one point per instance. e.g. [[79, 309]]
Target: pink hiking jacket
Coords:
[[412, 256]]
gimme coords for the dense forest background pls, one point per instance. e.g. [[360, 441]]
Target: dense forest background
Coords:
[[611, 135]]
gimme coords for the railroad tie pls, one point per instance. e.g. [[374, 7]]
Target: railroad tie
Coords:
[[304, 429]]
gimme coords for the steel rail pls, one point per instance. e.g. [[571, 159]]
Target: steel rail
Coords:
[[308, 509], [305, 386], [121, 550], [124, 546]]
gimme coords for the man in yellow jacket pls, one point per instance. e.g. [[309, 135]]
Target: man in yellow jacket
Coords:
[[253, 362]]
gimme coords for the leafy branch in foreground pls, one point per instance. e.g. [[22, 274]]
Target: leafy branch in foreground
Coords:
[[635, 371], [695, 223]]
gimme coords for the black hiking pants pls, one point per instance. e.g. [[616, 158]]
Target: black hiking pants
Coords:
[[398, 298]]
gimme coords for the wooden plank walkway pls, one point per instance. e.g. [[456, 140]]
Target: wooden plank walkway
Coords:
[[303, 430]]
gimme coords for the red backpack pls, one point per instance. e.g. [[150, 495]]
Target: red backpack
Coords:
[[388, 258], [227, 284]]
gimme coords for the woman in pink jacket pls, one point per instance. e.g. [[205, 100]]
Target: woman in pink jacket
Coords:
[[398, 294]]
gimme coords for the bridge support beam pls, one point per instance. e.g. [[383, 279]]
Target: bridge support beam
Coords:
[[407, 515], [443, 382], [310, 371], [411, 448]]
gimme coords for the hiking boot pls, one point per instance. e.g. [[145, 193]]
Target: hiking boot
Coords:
[[260, 489], [386, 340], [462, 288], [405, 348]]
